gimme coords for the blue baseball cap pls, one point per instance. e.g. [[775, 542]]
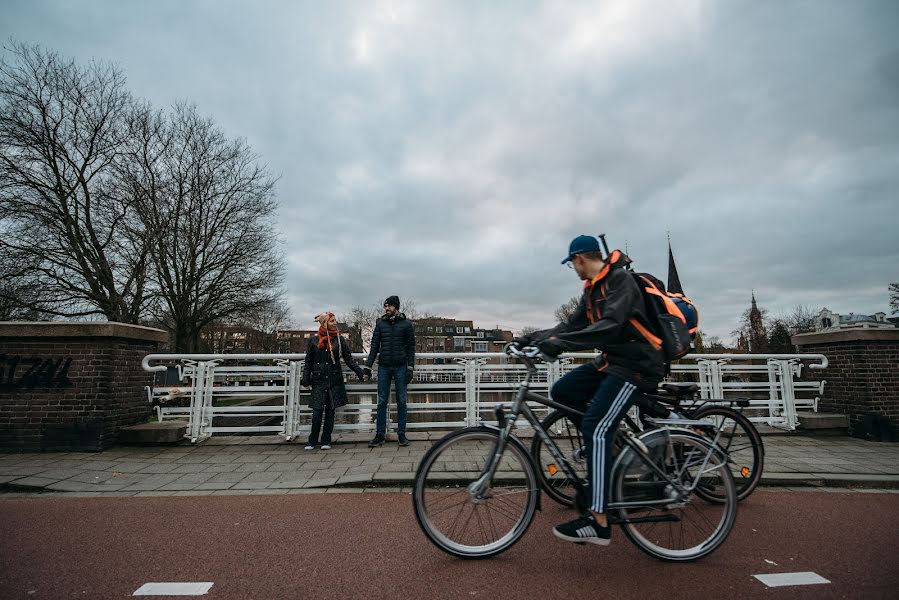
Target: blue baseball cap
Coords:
[[582, 243]]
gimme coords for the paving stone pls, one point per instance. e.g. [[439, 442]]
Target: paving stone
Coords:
[[34, 481], [322, 482], [218, 485], [228, 477], [222, 468], [159, 468], [152, 483], [250, 485], [177, 487], [249, 467], [355, 478], [190, 468], [281, 466], [194, 478], [262, 477], [72, 486], [92, 477], [14, 471]]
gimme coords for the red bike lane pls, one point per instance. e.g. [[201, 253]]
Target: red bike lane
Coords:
[[368, 545]]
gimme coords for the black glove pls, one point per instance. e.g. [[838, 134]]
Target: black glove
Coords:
[[364, 373], [410, 373], [360, 374], [551, 347], [304, 382]]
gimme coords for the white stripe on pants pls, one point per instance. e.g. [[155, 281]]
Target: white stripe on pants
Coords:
[[599, 445]]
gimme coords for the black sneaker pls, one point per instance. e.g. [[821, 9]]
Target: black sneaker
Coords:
[[402, 439], [584, 530], [376, 441]]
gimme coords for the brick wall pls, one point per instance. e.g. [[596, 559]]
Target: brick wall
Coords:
[[71, 386], [863, 374]]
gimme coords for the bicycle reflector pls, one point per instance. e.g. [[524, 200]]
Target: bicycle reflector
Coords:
[[744, 471], [553, 469]]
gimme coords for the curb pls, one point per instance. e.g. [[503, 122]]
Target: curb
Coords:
[[403, 480]]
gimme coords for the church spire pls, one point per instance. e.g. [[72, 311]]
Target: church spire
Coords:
[[673, 279]]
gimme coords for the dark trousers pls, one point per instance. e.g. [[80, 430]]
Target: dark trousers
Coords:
[[385, 376], [604, 399], [327, 411]]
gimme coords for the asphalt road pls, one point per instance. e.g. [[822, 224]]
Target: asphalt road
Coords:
[[368, 545]]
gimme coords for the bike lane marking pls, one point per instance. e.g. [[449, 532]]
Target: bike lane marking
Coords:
[[171, 588], [783, 579]]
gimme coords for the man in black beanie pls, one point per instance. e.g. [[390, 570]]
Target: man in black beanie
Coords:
[[393, 343]]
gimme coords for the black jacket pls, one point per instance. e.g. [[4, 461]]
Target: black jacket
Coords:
[[611, 316], [393, 342], [325, 374]]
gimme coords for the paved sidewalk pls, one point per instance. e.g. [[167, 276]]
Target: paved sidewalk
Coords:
[[268, 465]]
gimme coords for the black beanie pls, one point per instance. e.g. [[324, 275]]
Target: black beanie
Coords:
[[393, 301]]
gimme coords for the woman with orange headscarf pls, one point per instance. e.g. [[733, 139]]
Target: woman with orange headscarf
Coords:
[[322, 371]]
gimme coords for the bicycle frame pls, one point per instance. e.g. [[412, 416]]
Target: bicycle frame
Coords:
[[521, 408]]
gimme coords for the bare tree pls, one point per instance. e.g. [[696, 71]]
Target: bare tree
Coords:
[[801, 319], [564, 312], [62, 128], [894, 298], [528, 330], [264, 322], [18, 295], [361, 322], [208, 206]]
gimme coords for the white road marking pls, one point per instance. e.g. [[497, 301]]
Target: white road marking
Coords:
[[782, 579], [179, 588]]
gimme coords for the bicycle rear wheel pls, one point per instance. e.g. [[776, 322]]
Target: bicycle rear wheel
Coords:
[[688, 527], [460, 521], [742, 442], [569, 440]]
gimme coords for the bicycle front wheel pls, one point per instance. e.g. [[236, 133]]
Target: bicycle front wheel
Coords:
[[461, 519], [742, 442], [687, 526]]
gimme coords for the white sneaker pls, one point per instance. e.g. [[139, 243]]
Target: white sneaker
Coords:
[[326, 446], [309, 447]]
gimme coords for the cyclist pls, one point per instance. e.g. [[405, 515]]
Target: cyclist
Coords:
[[611, 315]]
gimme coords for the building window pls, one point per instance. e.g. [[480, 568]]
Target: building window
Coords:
[[459, 343], [459, 330], [468, 330], [481, 334], [480, 346]]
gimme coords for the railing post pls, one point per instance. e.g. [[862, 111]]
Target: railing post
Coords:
[[292, 390], [774, 391], [201, 400], [471, 392], [787, 368]]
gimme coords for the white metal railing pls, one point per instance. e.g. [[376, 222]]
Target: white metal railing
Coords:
[[244, 393]]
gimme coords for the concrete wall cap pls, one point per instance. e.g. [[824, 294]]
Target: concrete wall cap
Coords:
[[76, 329], [847, 335]]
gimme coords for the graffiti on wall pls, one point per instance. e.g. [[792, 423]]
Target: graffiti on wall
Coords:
[[17, 372]]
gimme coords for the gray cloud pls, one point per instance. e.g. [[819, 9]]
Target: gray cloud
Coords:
[[449, 151]]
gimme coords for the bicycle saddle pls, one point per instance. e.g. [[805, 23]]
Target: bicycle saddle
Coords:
[[680, 389]]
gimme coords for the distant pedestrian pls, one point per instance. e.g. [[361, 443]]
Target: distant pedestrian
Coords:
[[322, 371], [393, 343]]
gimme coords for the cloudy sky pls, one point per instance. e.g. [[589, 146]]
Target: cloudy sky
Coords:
[[449, 151]]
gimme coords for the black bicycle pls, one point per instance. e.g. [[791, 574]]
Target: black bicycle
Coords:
[[734, 433], [477, 489]]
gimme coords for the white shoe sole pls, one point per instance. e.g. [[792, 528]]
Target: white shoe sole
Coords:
[[326, 447], [579, 540]]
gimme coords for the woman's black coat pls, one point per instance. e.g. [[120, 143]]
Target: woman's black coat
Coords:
[[325, 374]]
